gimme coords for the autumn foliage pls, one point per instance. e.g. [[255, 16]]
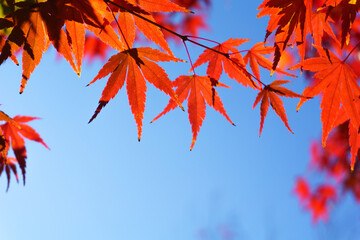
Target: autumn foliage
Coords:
[[324, 32]]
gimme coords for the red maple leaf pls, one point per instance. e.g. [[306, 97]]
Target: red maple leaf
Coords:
[[198, 90], [150, 31], [337, 81], [255, 57], [135, 66], [226, 56], [269, 95], [14, 133], [290, 19], [320, 22]]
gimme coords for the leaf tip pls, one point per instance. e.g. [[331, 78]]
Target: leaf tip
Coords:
[[288, 127], [352, 165], [260, 130], [324, 143], [192, 144]]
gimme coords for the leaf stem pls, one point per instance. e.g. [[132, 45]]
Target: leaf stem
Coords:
[[118, 26], [357, 45], [191, 64]]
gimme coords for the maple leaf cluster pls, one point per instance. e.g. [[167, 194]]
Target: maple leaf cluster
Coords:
[[335, 78], [32, 26], [326, 34], [318, 201], [339, 180]]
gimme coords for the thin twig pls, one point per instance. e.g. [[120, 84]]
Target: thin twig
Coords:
[[145, 19], [205, 39]]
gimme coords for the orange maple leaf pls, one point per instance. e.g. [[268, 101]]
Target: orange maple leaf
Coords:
[[94, 15], [128, 22], [269, 95], [75, 31], [255, 57], [3, 143], [321, 24], [138, 12], [226, 56], [7, 163], [198, 90], [14, 133], [337, 81], [288, 18], [135, 65]]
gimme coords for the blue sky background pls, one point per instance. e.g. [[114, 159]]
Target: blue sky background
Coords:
[[99, 182]]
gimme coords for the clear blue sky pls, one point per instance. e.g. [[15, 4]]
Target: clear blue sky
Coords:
[[99, 182]]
